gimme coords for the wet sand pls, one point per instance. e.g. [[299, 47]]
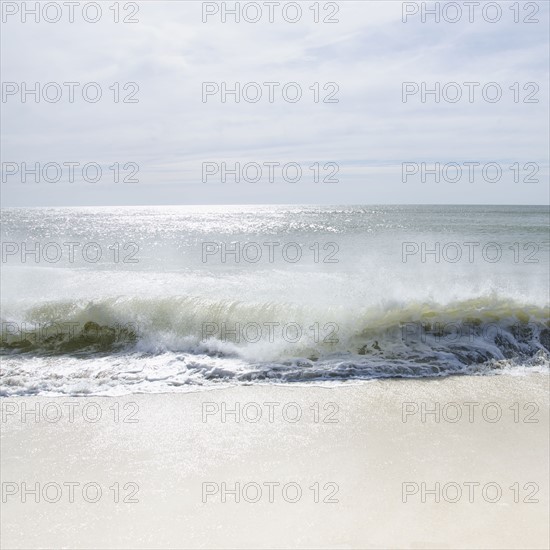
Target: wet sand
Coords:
[[365, 452]]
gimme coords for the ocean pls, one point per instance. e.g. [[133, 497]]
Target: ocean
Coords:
[[121, 300]]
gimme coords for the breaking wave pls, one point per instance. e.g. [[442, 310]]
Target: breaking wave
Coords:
[[156, 344]]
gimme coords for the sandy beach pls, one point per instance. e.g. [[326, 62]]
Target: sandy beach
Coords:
[[353, 466]]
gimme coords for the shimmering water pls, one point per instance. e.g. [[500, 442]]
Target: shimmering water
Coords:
[[117, 300]]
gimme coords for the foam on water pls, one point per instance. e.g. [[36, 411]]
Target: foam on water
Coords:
[[173, 321]]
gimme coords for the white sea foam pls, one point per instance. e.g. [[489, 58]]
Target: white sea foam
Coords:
[[175, 319]]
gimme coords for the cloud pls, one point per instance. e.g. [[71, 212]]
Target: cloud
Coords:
[[170, 53]]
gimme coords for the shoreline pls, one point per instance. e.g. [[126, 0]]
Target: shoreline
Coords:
[[367, 446]]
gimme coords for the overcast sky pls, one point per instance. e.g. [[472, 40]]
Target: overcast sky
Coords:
[[170, 132]]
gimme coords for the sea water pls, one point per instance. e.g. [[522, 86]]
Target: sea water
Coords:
[[107, 301]]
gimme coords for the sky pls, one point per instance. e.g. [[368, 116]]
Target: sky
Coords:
[[169, 142]]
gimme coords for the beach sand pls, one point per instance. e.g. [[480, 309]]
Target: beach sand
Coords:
[[350, 440]]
